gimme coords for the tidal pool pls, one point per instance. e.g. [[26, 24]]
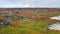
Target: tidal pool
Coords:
[[55, 26]]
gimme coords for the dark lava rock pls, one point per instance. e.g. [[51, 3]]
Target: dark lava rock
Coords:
[[3, 24]]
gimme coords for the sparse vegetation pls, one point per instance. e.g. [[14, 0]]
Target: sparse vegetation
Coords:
[[29, 21]]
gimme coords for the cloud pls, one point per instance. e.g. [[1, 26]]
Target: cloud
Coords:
[[30, 3]]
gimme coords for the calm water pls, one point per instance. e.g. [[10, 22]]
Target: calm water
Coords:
[[55, 26]]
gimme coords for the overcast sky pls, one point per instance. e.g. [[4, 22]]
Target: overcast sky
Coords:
[[29, 3]]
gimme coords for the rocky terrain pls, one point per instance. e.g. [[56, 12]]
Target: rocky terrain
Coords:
[[27, 20]]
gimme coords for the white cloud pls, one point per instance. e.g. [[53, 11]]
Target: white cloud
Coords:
[[30, 3]]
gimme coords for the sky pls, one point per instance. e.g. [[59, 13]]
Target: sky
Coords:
[[29, 3]]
